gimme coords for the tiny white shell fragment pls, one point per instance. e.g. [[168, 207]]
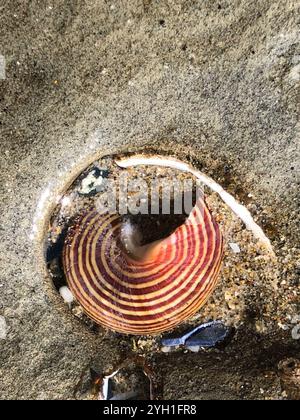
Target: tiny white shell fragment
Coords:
[[194, 349], [90, 182], [3, 328], [66, 294], [166, 349], [235, 247]]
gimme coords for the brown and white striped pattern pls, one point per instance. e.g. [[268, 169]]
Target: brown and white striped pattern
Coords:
[[142, 297]]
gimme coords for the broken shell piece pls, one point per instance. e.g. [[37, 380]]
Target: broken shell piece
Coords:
[[132, 380], [166, 349], [235, 247], [194, 349], [180, 341], [126, 384], [204, 336], [92, 183], [66, 294], [208, 337]]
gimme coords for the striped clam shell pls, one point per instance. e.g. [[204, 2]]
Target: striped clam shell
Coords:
[[142, 296]]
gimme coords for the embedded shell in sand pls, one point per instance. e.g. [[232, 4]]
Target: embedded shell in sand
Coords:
[[151, 290]]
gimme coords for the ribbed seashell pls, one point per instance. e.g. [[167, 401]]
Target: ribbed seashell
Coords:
[[151, 289]]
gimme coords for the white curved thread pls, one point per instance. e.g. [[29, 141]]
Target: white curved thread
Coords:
[[241, 211], [39, 211]]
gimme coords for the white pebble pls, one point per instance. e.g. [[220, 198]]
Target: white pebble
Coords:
[[3, 328], [235, 248], [194, 349], [66, 294]]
